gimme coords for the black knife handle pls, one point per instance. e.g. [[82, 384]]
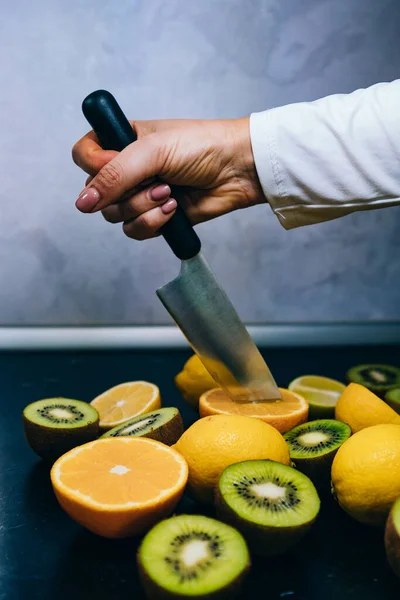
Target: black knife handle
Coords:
[[115, 133]]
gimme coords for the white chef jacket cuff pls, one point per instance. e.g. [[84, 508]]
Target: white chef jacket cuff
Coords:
[[269, 171]]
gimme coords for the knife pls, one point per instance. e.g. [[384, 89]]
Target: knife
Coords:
[[195, 300]]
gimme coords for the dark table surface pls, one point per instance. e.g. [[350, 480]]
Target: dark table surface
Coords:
[[44, 555]]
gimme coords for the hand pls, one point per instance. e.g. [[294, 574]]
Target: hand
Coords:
[[210, 163]]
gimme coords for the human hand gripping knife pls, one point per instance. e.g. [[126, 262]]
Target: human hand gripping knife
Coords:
[[195, 300]]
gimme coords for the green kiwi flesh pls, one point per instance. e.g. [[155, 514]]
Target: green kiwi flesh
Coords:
[[164, 425], [392, 538], [378, 378], [55, 425], [313, 446], [392, 397], [192, 556], [271, 504]]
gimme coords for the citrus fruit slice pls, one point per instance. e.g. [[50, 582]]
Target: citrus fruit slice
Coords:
[[213, 443], [282, 414], [366, 473], [360, 408], [321, 393], [124, 401], [119, 486]]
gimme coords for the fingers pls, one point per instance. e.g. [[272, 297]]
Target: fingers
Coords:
[[141, 218], [148, 224], [89, 156], [138, 162], [137, 204]]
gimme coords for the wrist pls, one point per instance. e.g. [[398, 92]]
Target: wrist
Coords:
[[243, 154]]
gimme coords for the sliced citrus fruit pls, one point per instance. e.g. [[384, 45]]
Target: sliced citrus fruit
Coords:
[[321, 393], [124, 401], [119, 487], [282, 414], [361, 408]]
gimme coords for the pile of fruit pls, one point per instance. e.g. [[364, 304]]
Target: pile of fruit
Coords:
[[121, 463]]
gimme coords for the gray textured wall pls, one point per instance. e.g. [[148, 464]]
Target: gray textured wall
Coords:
[[187, 58]]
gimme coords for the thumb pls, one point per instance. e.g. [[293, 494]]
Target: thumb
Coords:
[[130, 169]]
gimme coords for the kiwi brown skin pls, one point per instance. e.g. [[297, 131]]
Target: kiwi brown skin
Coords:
[[262, 540], [155, 592], [168, 433], [392, 544], [318, 469], [50, 443]]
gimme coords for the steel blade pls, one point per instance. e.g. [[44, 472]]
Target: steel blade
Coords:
[[202, 310]]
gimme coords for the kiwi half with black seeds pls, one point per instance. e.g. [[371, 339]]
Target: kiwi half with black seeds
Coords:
[[271, 504], [392, 397], [54, 426], [164, 425], [376, 377], [313, 446], [192, 556]]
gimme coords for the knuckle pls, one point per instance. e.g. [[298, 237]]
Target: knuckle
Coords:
[[130, 231], [110, 176], [145, 223], [76, 154], [109, 216]]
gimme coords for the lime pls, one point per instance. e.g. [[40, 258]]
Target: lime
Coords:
[[321, 393]]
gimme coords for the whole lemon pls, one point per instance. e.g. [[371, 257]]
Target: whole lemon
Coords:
[[366, 473], [194, 380], [213, 443]]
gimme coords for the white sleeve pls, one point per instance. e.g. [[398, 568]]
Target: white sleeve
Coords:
[[320, 160]]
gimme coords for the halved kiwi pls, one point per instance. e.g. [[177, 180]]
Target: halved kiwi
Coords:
[[271, 504], [164, 425], [192, 556], [376, 377], [313, 446], [55, 425], [392, 538], [392, 397]]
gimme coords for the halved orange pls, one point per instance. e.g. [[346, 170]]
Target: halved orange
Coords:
[[124, 401], [282, 414], [119, 487]]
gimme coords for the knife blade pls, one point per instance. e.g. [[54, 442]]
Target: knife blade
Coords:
[[195, 299]]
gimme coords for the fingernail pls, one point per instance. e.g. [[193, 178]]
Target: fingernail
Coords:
[[87, 199], [169, 206], [160, 192]]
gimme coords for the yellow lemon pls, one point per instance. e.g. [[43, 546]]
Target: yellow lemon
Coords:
[[360, 408], [213, 443], [194, 380], [366, 473]]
